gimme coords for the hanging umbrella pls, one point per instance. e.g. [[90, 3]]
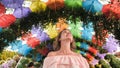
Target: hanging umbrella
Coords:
[[111, 10], [33, 42], [74, 4], [51, 30], [75, 28], [21, 12], [2, 8], [55, 4], [111, 44], [38, 6], [6, 20], [24, 50], [96, 41], [40, 34], [87, 32], [61, 25], [92, 6], [106, 9], [12, 3]]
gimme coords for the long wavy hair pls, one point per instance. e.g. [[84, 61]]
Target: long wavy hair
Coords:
[[57, 45]]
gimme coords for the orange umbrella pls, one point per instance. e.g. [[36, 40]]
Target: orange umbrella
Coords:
[[55, 4], [61, 25]]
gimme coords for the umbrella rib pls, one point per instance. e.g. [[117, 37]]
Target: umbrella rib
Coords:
[[91, 6]]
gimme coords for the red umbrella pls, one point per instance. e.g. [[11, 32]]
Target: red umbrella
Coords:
[[6, 20], [26, 36], [43, 51], [33, 42], [97, 41], [55, 4], [115, 10], [2, 8], [93, 50], [115, 1], [90, 57], [111, 10], [106, 9]]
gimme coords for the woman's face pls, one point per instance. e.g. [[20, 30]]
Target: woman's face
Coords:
[[66, 35]]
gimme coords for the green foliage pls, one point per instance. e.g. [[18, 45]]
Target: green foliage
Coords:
[[104, 64], [98, 66], [113, 61]]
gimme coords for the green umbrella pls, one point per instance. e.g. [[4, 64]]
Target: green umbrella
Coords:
[[73, 4], [75, 28]]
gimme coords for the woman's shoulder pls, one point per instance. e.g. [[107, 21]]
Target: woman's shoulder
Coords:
[[52, 53]]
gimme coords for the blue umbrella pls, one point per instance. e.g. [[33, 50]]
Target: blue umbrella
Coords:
[[0, 29], [87, 32], [39, 57], [15, 45], [92, 6], [84, 46], [24, 50]]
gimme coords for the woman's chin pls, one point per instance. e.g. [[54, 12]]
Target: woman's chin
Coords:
[[69, 39]]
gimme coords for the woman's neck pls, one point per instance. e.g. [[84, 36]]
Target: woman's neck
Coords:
[[65, 47]]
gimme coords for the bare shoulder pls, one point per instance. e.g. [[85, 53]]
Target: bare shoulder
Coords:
[[52, 53]]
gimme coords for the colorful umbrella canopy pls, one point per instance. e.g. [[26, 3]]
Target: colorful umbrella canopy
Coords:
[[92, 6], [12, 3]]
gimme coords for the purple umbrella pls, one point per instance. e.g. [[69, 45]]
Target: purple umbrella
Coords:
[[94, 61], [40, 34], [111, 44], [101, 55], [21, 12], [12, 3], [5, 65]]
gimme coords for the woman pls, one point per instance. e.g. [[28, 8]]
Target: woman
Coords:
[[64, 55]]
